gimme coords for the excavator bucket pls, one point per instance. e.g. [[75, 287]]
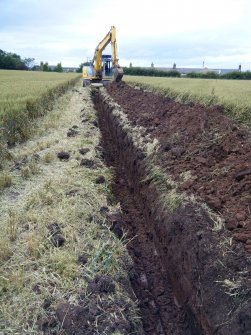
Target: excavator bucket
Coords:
[[118, 73]]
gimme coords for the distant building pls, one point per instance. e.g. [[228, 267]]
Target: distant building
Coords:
[[186, 70], [52, 68], [70, 69], [65, 69]]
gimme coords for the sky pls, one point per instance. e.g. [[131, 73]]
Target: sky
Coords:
[[185, 32]]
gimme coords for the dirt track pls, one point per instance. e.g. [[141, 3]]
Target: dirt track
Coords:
[[178, 251]]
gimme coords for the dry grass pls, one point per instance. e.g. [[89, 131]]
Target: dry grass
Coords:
[[32, 269]]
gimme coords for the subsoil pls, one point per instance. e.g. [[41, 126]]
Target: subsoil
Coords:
[[180, 264], [214, 150]]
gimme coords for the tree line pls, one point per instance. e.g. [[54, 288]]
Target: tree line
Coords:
[[46, 68], [12, 61], [213, 75], [140, 71]]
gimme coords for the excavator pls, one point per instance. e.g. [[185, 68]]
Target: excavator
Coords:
[[100, 71]]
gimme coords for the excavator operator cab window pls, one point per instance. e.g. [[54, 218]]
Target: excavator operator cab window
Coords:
[[107, 70], [90, 71]]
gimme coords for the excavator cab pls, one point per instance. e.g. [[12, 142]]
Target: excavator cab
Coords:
[[108, 73]]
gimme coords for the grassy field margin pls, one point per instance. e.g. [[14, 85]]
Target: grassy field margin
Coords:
[[24, 97]]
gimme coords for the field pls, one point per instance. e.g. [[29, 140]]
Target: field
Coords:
[[234, 95], [128, 212], [25, 95]]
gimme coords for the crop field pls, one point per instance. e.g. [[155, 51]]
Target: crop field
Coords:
[[234, 95], [25, 95]]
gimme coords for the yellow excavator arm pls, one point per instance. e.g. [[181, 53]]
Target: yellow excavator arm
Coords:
[[95, 72]]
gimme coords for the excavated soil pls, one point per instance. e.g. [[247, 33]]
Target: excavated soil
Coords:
[[213, 150], [188, 278]]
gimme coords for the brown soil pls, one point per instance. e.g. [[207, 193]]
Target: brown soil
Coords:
[[214, 149], [180, 264]]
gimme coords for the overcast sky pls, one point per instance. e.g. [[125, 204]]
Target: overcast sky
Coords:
[[186, 32]]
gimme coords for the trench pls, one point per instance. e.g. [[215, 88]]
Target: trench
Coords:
[[160, 310], [180, 263]]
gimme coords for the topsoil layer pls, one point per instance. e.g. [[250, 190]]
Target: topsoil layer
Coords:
[[205, 151]]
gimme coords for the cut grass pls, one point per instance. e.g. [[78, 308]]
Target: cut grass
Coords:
[[233, 95], [32, 269]]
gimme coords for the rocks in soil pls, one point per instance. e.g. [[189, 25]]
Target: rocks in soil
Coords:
[[46, 323], [241, 216], [82, 259], [83, 151], [240, 175], [36, 157], [82, 319], [54, 228], [72, 132], [177, 151], [72, 193], [117, 229], [214, 202], [231, 224], [102, 284], [88, 163], [100, 180], [63, 155], [47, 303], [56, 236], [58, 240], [95, 123], [104, 210]]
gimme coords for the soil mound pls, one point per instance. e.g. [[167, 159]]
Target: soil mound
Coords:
[[207, 153]]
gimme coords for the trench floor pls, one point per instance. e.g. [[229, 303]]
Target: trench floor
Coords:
[[160, 312]]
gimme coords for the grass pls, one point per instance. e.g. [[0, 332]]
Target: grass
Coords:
[[234, 95], [5, 180], [32, 269], [26, 95]]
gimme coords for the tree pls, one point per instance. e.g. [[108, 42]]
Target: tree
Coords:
[[11, 61], [45, 67], [58, 68]]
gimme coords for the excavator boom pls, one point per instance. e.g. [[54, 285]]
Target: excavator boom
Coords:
[[95, 73]]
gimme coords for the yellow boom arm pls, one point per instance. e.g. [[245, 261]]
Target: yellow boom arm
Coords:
[[109, 38]]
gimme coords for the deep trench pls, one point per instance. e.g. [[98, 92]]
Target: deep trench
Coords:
[[159, 308]]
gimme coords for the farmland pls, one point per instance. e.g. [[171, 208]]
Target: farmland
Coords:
[[25, 95], [128, 212], [234, 95]]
